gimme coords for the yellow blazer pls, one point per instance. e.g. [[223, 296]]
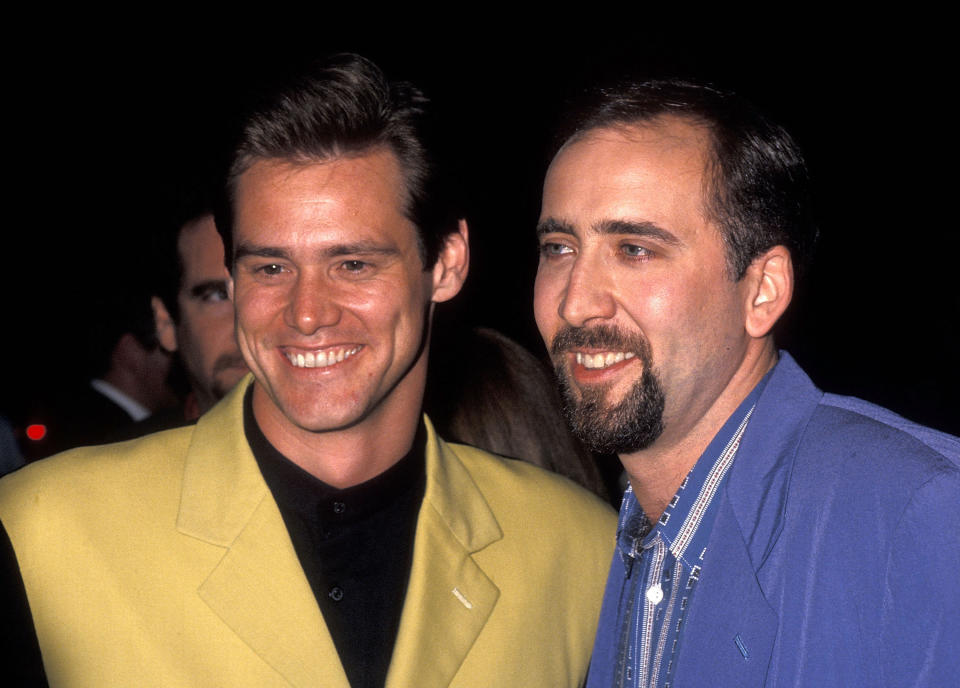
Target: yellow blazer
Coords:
[[165, 562]]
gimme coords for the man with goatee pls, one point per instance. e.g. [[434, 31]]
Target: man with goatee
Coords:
[[771, 534]]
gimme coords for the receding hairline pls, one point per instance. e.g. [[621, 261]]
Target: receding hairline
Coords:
[[629, 128], [704, 138]]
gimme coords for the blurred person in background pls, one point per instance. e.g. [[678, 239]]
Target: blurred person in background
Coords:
[[488, 391]]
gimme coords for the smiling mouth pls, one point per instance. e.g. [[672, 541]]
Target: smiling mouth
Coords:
[[602, 360], [321, 359]]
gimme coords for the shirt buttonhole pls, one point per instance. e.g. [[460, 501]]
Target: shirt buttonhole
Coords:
[[463, 600], [740, 646]]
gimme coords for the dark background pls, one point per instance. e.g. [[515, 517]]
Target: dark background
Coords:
[[101, 125]]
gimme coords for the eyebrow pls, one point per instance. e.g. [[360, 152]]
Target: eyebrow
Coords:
[[552, 226], [363, 248], [639, 228], [649, 229]]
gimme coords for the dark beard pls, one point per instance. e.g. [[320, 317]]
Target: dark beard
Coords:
[[628, 426]]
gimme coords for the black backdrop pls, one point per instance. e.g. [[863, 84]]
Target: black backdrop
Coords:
[[101, 124]]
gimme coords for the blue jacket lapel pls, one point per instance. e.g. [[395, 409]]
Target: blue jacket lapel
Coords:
[[732, 627]]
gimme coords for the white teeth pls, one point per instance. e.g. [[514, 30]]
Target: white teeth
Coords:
[[320, 359], [594, 361]]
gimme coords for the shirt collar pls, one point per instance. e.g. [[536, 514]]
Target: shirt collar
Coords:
[[678, 526], [308, 495], [134, 408]]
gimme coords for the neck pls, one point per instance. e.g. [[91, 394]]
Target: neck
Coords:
[[347, 456], [655, 473]]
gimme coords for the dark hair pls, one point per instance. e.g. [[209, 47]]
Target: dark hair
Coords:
[[344, 106], [503, 401], [189, 205], [758, 187]]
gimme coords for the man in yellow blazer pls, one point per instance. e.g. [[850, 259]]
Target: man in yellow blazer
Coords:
[[311, 529]]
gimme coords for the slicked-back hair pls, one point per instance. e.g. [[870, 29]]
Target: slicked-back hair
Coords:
[[757, 186], [344, 106]]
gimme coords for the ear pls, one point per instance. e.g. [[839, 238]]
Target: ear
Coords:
[[166, 330], [450, 270], [769, 282]]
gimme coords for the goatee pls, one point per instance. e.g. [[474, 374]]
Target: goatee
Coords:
[[632, 424]]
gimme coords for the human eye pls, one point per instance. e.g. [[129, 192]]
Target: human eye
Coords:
[[269, 269], [554, 249], [213, 293], [354, 266], [636, 252], [266, 272]]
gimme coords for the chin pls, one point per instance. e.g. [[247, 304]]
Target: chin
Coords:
[[324, 421]]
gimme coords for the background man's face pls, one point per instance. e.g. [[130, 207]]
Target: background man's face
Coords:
[[632, 287], [331, 294], [205, 335]]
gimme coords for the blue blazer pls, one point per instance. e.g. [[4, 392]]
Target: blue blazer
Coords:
[[835, 556]]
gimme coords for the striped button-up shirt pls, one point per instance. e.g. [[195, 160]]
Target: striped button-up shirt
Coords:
[[656, 568]]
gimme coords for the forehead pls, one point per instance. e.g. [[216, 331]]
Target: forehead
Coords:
[[649, 171], [346, 194], [200, 249]]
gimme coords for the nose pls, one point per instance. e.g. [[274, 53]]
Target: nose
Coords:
[[313, 304], [587, 295]]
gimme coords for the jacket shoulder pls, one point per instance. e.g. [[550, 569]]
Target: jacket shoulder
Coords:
[[97, 479], [864, 470], [516, 488], [870, 444], [885, 425]]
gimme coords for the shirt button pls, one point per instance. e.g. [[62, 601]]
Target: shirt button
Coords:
[[339, 507], [336, 593], [655, 594]]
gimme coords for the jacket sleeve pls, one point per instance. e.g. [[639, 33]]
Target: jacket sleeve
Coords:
[[18, 639], [920, 643]]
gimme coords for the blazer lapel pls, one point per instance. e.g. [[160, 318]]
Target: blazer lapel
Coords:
[[257, 588], [449, 597], [730, 624]]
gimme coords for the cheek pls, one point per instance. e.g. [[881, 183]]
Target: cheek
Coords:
[[256, 306], [389, 311], [250, 323], [218, 334], [546, 303], [669, 314]]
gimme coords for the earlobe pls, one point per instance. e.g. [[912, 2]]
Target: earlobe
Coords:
[[453, 263], [163, 323], [770, 280]]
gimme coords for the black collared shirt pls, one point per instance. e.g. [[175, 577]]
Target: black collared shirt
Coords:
[[355, 546]]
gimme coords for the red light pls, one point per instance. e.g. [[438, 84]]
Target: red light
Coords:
[[37, 431]]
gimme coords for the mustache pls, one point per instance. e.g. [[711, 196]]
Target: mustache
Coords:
[[599, 337], [228, 361]]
